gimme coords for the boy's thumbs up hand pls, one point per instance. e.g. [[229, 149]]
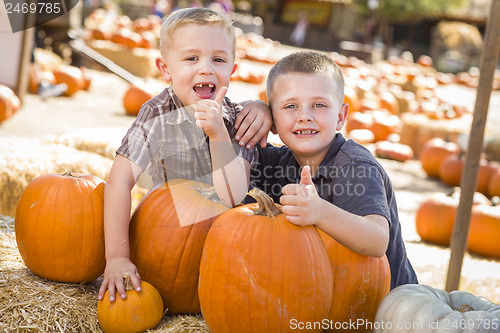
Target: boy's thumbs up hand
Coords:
[[208, 115], [300, 201]]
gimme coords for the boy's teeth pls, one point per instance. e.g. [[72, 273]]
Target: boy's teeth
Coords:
[[306, 132], [199, 85]]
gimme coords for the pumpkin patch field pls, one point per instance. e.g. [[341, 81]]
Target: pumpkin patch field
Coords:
[[80, 133]]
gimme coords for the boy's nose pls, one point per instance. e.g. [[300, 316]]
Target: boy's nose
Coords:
[[305, 115], [206, 68]]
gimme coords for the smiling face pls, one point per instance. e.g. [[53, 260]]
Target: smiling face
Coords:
[[198, 62], [307, 112]]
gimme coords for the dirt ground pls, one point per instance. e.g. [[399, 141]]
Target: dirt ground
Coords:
[[101, 107]]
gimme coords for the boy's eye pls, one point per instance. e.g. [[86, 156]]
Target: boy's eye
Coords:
[[220, 60], [319, 105], [290, 106], [192, 58]]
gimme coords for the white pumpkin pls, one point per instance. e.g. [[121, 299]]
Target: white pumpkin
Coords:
[[421, 308]]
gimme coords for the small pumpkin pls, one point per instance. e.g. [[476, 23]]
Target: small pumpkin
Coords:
[[259, 272], [60, 227], [416, 308], [393, 150], [432, 154], [72, 76], [167, 234], [384, 124], [134, 98], [352, 99], [138, 312]]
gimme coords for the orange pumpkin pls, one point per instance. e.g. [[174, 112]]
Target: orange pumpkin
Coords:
[[361, 136], [134, 98], [450, 172], [484, 232], [352, 99], [359, 120], [167, 233], [72, 76], [259, 272], [60, 229], [138, 312], [389, 102], [393, 150], [494, 184], [436, 215], [359, 284], [9, 102], [432, 154], [384, 124]]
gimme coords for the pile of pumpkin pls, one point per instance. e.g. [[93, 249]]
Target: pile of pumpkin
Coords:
[[245, 269], [107, 25], [436, 215]]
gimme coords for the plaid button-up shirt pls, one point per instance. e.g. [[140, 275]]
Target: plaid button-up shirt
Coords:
[[164, 137]]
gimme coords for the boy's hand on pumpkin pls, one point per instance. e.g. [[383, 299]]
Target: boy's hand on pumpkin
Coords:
[[301, 202], [253, 124], [208, 115], [113, 278]]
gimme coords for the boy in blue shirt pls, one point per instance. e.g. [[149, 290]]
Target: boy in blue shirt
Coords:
[[318, 174]]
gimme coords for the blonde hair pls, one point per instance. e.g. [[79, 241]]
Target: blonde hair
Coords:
[[306, 62], [197, 15]]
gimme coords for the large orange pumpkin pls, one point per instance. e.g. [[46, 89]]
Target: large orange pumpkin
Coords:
[[9, 102], [167, 234], [359, 284], [432, 154], [436, 215], [138, 312], [134, 98], [259, 273], [60, 229]]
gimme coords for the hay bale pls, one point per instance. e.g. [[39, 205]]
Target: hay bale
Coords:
[[25, 159], [418, 129], [103, 141], [29, 303]]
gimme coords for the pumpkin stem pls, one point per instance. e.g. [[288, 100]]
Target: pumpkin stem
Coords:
[[127, 283], [465, 308], [266, 204]]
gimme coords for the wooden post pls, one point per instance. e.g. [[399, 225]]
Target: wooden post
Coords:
[[468, 183]]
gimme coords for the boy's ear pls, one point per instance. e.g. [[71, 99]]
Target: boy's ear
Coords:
[[234, 68], [344, 110], [162, 67]]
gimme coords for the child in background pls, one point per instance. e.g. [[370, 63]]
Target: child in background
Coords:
[[318, 175], [188, 131]]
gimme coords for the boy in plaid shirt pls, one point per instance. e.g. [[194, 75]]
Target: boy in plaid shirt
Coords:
[[187, 131]]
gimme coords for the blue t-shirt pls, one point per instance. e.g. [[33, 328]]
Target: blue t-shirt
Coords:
[[350, 178]]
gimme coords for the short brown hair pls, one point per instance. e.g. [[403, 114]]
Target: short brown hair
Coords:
[[307, 62], [197, 15]]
